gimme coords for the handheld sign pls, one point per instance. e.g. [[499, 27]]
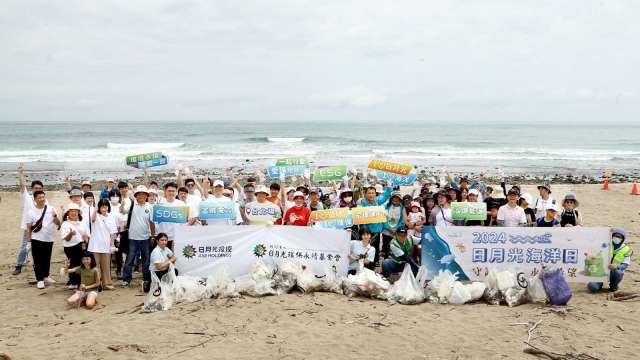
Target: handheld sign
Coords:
[[147, 160], [329, 173], [293, 161], [468, 211], [332, 218], [262, 213], [216, 209], [170, 214], [275, 172], [397, 174], [369, 215]]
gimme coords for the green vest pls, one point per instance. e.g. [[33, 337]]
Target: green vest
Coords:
[[618, 256], [406, 248]]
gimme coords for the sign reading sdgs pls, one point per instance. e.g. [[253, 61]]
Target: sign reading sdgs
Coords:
[[582, 253], [172, 214]]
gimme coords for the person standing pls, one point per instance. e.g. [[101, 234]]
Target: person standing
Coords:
[[102, 241], [545, 200], [170, 192], [41, 231], [27, 205], [298, 214], [73, 234], [141, 229], [510, 214], [371, 198]]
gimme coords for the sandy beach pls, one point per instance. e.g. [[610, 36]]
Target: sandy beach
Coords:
[[37, 324]]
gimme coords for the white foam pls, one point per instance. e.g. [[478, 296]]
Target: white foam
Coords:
[[285, 139], [145, 146]]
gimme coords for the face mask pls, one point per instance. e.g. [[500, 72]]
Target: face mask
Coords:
[[616, 240], [347, 199]]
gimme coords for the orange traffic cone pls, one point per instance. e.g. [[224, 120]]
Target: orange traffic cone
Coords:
[[606, 183], [634, 189]]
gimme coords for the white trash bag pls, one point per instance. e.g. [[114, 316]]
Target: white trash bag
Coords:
[[476, 290], [331, 282], [307, 281], [188, 289], [159, 297], [440, 287], [459, 294], [366, 283], [535, 290], [406, 290], [515, 296], [285, 277], [224, 286]]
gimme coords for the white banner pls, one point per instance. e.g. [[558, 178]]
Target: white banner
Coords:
[[203, 250], [582, 253]]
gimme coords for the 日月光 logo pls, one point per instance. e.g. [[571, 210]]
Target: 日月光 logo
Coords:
[[259, 250], [189, 251]]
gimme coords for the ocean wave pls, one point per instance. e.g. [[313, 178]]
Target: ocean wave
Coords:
[[145, 146]]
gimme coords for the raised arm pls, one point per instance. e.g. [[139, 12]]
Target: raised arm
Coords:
[[146, 177], [21, 183]]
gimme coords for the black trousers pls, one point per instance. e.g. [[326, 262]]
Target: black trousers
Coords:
[[375, 243], [123, 248], [74, 254], [386, 244], [162, 273], [41, 253]]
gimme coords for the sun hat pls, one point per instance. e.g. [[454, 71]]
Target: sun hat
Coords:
[[218, 183], [75, 192], [139, 189], [415, 204], [71, 206], [262, 189], [86, 182], [346, 191], [570, 196], [546, 185], [290, 189], [527, 197], [152, 191], [110, 180], [315, 191], [395, 193], [298, 194]]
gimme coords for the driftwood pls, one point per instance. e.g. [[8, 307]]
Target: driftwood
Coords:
[[536, 351]]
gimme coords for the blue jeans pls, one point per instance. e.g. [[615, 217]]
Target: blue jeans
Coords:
[[615, 277], [389, 267], [23, 251], [137, 247]]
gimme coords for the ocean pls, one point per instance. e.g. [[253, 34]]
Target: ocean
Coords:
[[514, 149]]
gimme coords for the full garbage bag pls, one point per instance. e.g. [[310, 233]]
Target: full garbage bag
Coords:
[[440, 287], [285, 277], [476, 290], [224, 285], [459, 294], [187, 289], [406, 290], [257, 283], [306, 280], [366, 283], [159, 297], [535, 290], [515, 296], [556, 286], [331, 282]]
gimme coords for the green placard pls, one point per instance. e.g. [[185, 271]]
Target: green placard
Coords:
[[293, 161], [134, 159], [330, 173], [468, 211]]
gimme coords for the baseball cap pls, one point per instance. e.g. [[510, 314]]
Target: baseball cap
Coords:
[[218, 183], [402, 231], [474, 192], [298, 194], [75, 192]]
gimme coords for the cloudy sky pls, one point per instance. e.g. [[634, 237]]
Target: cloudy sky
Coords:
[[426, 60]]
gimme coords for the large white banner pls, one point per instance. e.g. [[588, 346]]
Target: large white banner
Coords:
[[204, 250], [582, 253]]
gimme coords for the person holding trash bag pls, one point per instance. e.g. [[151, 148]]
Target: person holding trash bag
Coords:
[[400, 254], [620, 260]]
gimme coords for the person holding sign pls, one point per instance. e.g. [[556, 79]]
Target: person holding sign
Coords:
[[261, 211], [141, 229], [400, 254], [370, 199], [297, 215], [169, 228], [221, 202]]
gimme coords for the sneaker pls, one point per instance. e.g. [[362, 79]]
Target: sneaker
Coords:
[[125, 284], [109, 287], [49, 280], [17, 271], [40, 284], [72, 287]]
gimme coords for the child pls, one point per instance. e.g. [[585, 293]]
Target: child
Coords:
[[416, 218], [570, 215], [620, 260], [549, 219], [73, 234], [102, 242], [89, 282]]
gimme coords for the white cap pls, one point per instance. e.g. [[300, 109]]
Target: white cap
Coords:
[[110, 180], [527, 197], [86, 182], [141, 188], [218, 183], [474, 192], [153, 191], [379, 188], [555, 207], [290, 188], [71, 206], [298, 194], [261, 189]]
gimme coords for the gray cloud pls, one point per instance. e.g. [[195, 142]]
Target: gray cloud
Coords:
[[304, 60]]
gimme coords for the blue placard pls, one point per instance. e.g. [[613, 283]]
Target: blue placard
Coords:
[[170, 214], [289, 171], [151, 163], [396, 179], [216, 209], [336, 224]]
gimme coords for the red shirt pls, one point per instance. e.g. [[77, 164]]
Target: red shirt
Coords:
[[297, 216]]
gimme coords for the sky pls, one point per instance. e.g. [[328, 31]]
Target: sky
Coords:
[[230, 60]]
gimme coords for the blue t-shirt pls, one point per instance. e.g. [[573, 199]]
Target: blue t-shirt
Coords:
[[543, 223]]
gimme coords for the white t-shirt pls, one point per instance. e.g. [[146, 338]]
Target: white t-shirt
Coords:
[[48, 231], [167, 227], [542, 206], [194, 205], [86, 211], [139, 226], [101, 231], [76, 239], [512, 216], [443, 217], [159, 255], [27, 205]]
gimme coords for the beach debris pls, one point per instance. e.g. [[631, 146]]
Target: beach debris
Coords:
[[441, 286], [366, 283], [306, 280], [535, 290], [536, 351], [406, 290], [331, 282], [135, 347], [623, 296], [285, 277], [556, 286]]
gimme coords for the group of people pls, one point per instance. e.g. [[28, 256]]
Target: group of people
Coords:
[[118, 226]]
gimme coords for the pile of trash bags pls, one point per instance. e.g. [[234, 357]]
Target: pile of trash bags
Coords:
[[499, 287]]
